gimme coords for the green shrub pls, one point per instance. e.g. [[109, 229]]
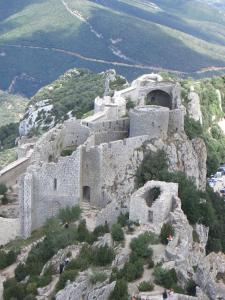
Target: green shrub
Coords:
[[83, 233], [5, 200], [165, 278], [152, 167], [3, 189], [192, 128], [67, 152], [41, 281], [14, 290], [132, 270], [145, 286], [166, 231], [129, 104], [191, 288], [103, 256], [20, 272], [7, 258], [70, 214], [81, 264], [8, 135], [117, 233], [120, 291], [98, 277], [140, 246], [151, 263], [31, 288], [101, 230], [30, 297], [123, 219], [209, 212]]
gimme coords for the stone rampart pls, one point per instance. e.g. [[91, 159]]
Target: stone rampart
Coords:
[[109, 125], [10, 174], [109, 169], [176, 121], [47, 189], [69, 135], [145, 209], [150, 120]]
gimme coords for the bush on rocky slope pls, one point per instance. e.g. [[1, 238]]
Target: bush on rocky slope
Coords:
[[209, 211]]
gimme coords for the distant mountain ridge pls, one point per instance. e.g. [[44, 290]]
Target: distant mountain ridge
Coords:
[[40, 40]]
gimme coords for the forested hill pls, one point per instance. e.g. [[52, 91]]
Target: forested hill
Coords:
[[40, 40]]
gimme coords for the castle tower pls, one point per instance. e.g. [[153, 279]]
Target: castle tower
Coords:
[[149, 120]]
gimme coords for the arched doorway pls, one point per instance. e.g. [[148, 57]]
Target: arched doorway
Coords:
[[86, 193], [158, 97]]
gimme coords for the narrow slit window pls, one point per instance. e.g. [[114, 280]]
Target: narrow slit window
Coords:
[[55, 184]]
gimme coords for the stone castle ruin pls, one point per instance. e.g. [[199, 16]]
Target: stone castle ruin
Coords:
[[106, 152]]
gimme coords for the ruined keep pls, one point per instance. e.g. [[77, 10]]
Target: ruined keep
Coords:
[[105, 155]]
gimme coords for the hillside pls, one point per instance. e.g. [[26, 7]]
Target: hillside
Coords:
[[12, 108], [43, 39], [71, 95]]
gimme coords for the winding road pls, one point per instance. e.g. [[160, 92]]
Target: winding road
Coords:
[[101, 61]]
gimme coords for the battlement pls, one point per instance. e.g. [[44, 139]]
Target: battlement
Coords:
[[109, 125], [119, 144]]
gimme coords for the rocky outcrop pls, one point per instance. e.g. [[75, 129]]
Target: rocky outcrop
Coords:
[[83, 289], [36, 116], [71, 251], [186, 156], [210, 275], [183, 252], [193, 106]]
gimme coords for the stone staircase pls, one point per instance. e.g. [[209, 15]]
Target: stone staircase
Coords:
[[89, 213]]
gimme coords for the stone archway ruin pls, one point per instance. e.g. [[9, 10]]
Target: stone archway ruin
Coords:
[[160, 98]]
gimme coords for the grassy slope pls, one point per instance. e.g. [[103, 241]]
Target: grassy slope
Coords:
[[12, 108], [183, 36]]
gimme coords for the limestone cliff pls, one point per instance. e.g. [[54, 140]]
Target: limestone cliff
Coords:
[[210, 275], [188, 156], [193, 106]]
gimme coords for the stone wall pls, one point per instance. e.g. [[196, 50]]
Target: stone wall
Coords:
[[176, 121], [158, 212], [47, 189], [111, 212], [107, 131], [10, 174], [109, 169], [69, 135], [109, 125], [150, 120]]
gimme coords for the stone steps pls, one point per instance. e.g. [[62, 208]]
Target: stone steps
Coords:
[[89, 213]]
